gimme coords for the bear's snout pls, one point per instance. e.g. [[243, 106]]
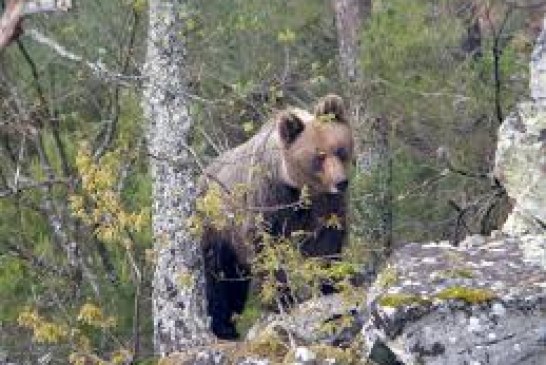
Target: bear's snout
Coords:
[[342, 186]]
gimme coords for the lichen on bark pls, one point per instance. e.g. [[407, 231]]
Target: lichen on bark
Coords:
[[179, 306]]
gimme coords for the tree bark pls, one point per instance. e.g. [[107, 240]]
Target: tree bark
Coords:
[[374, 152], [350, 15], [179, 303]]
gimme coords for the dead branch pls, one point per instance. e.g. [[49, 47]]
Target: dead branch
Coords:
[[10, 22], [98, 69], [16, 10]]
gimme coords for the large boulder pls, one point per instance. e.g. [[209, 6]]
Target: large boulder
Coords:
[[331, 320], [436, 304], [538, 69], [520, 165]]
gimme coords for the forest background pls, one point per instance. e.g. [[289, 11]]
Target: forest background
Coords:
[[429, 84]]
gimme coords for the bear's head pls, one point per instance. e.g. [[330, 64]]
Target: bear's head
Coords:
[[317, 149]]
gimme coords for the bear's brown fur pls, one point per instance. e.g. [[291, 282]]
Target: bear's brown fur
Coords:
[[296, 149]]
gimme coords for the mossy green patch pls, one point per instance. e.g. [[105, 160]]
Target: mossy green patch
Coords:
[[250, 315], [468, 295], [388, 277], [401, 300]]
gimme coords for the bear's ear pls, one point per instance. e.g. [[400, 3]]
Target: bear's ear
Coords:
[[331, 108], [290, 126]]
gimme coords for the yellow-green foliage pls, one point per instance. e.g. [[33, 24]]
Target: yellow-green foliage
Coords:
[[100, 204], [250, 314], [273, 257], [333, 325], [270, 346], [209, 210], [61, 332], [219, 208], [43, 331], [303, 275], [92, 315], [387, 277], [119, 357], [343, 356], [468, 295]]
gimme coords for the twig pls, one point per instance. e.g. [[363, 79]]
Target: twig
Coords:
[[19, 161], [41, 95], [10, 22], [35, 261], [497, 54], [97, 68], [394, 85], [111, 126], [34, 185]]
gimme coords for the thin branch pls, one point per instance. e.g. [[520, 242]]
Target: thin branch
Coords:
[[98, 69], [43, 100], [19, 161], [393, 85], [10, 22], [106, 262], [44, 6], [110, 129], [35, 261], [58, 226], [18, 188]]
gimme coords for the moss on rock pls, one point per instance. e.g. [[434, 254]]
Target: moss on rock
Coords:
[[468, 295]]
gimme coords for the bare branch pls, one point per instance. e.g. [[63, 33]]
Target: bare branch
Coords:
[[98, 69], [35, 261], [10, 22], [16, 10], [44, 6]]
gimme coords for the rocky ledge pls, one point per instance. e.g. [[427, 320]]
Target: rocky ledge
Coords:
[[481, 303]]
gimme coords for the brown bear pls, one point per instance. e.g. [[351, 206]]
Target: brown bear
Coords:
[[296, 149]]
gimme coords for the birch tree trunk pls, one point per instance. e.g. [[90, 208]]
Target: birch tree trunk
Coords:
[[373, 152], [350, 15], [179, 303]]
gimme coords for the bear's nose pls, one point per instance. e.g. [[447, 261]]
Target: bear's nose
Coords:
[[342, 185]]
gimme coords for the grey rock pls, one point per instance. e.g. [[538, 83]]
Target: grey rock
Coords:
[[504, 327], [210, 356], [304, 356], [538, 68], [520, 162], [329, 320], [520, 165]]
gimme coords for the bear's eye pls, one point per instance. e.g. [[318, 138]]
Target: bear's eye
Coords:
[[342, 153], [318, 161]]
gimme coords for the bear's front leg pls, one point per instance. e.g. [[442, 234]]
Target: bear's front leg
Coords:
[[228, 283]]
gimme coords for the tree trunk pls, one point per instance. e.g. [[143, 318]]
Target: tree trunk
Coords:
[[374, 152], [350, 15], [179, 303]]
